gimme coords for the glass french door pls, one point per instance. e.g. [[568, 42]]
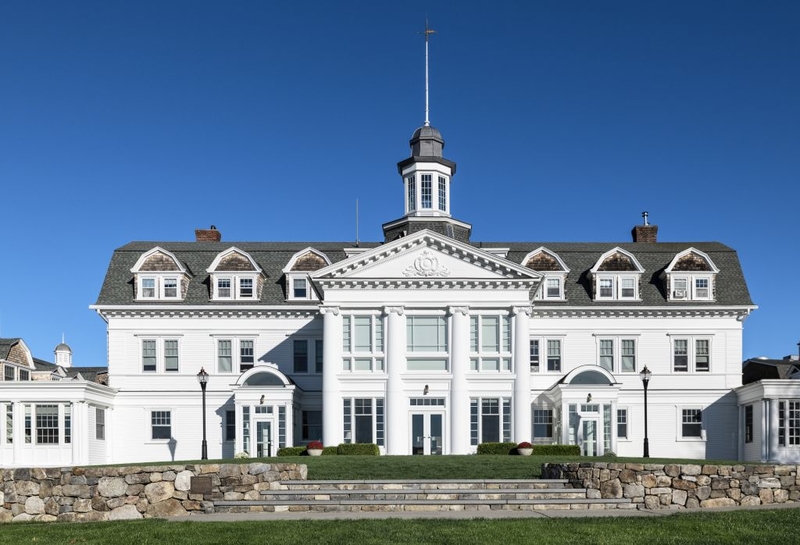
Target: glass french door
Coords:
[[427, 433], [589, 444], [263, 439]]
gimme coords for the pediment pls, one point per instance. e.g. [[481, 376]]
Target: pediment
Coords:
[[426, 256]]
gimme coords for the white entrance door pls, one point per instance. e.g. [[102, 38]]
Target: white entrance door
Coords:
[[589, 442], [427, 433], [264, 439]]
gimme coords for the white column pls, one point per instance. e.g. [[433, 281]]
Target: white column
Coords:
[[459, 388], [397, 441], [774, 426], [332, 412], [522, 381]]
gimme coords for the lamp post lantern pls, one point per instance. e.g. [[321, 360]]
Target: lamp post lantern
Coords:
[[645, 376], [202, 378]]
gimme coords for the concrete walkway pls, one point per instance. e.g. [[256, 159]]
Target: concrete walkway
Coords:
[[461, 515]]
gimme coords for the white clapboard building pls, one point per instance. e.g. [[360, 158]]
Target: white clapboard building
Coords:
[[423, 342]]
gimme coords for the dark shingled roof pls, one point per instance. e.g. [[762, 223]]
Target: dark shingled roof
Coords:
[[756, 369], [6, 345], [272, 257]]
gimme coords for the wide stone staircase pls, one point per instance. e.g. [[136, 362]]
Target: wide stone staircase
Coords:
[[418, 495]]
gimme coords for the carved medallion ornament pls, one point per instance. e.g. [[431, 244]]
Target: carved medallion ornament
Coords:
[[427, 265]]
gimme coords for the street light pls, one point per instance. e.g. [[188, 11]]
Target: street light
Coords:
[[202, 378], [645, 376]]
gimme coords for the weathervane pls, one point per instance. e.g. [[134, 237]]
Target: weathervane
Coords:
[[427, 32]]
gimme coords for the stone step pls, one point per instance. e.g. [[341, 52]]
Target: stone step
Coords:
[[424, 493], [437, 484]]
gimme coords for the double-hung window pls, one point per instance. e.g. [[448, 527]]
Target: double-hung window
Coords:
[[234, 286], [554, 355], [427, 191], [170, 355], [748, 423], [622, 423], [542, 424], [160, 354], [691, 423], [618, 287], [691, 354], [617, 355], [149, 355], [534, 355], [99, 423], [235, 355], [161, 424]]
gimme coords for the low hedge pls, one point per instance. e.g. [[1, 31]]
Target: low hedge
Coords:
[[497, 448], [556, 450], [291, 451], [358, 449]]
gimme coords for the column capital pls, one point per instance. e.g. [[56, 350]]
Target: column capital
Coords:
[[400, 311], [332, 310], [463, 310], [521, 309]]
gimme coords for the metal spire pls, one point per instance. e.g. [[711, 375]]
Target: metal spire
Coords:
[[427, 32]]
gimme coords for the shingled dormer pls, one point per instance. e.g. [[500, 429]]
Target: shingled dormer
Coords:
[[159, 276], [616, 276], [691, 276]]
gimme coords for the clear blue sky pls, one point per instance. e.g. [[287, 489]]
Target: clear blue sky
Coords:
[[144, 120]]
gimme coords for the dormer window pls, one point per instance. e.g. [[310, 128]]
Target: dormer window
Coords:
[[690, 277], [235, 276], [298, 282], [554, 273], [616, 276], [160, 276]]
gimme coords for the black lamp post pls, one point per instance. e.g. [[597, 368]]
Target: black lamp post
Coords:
[[202, 378], [645, 376]]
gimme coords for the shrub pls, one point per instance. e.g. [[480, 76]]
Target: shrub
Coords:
[[497, 448], [358, 449], [242, 454], [291, 451], [330, 451], [316, 445], [557, 450]]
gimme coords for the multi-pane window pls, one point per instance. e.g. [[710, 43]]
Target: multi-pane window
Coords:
[[691, 423], [442, 193], [364, 420], [427, 191], [223, 288], [300, 357], [606, 287], [701, 290], [224, 356], [99, 423], [680, 355], [490, 420], [622, 423], [299, 288], [691, 355], [148, 288], [9, 372], [246, 288], [701, 355], [170, 355], [789, 423], [148, 355], [170, 288], [161, 424], [617, 355], [246, 357], [748, 423], [617, 287], [362, 343], [426, 334], [554, 355], [534, 350], [412, 193], [628, 288], [490, 343], [47, 424], [24, 375], [553, 288], [542, 423], [312, 426]]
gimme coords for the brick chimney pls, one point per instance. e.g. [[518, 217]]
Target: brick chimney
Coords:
[[646, 232], [207, 235]]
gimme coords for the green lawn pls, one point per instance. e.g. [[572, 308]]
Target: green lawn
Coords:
[[735, 527]]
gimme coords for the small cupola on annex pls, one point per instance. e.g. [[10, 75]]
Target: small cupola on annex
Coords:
[[616, 276], [160, 276], [554, 272], [235, 276], [690, 276], [297, 271]]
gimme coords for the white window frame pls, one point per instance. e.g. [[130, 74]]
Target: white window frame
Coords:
[[160, 352], [100, 423], [539, 413], [689, 290], [617, 286], [617, 412], [617, 343], [692, 353], [485, 359], [544, 363], [159, 288], [291, 277], [236, 352], [235, 287], [150, 427], [788, 421], [373, 358], [680, 421]]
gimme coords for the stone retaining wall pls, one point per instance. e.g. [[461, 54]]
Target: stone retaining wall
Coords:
[[76, 494], [674, 486]]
